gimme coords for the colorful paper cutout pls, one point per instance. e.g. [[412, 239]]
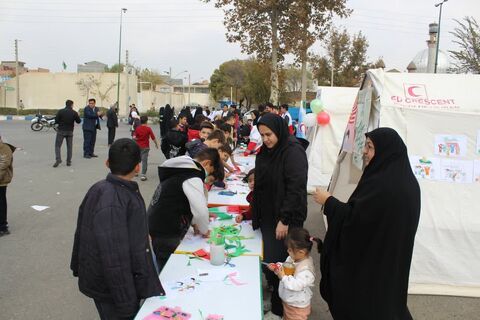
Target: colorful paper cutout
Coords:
[[166, 313]]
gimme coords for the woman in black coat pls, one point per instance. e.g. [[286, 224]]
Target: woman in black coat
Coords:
[[161, 113], [368, 247], [280, 193]]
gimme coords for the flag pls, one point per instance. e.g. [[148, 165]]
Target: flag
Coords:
[[301, 130], [64, 65]]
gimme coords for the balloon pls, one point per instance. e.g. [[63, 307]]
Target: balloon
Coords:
[[316, 105], [323, 118], [310, 120]]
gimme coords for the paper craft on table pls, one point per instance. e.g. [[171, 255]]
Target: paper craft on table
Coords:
[[182, 287], [425, 168], [214, 317], [166, 313], [457, 171], [39, 208], [227, 193], [214, 274], [451, 145]]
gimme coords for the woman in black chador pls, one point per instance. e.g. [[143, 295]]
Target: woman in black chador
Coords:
[[365, 261]]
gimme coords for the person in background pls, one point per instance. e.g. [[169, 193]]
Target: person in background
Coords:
[[214, 140], [194, 130], [271, 108], [135, 118], [6, 175], [182, 122], [168, 115], [368, 247], [161, 123], [91, 123], [65, 119], [247, 214], [206, 128], [180, 201], [173, 143], [287, 117], [142, 135], [112, 123], [111, 253], [295, 290]]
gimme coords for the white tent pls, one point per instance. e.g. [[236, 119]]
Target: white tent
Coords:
[[438, 117], [325, 141]]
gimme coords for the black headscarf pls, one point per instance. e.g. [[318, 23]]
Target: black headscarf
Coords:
[[167, 116], [198, 111], [257, 115], [368, 247]]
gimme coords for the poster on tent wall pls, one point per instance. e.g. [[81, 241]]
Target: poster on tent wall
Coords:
[[425, 167], [450, 145], [476, 171], [349, 135], [478, 142], [456, 171], [361, 125]]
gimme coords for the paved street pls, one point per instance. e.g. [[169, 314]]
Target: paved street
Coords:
[[35, 279]]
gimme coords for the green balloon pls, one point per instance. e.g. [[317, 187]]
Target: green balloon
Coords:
[[316, 105]]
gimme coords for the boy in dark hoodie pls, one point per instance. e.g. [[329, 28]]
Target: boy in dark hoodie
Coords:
[[180, 201]]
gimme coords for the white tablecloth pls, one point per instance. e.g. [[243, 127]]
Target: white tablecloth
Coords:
[[239, 299]]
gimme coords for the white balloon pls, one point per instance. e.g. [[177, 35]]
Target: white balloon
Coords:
[[310, 120]]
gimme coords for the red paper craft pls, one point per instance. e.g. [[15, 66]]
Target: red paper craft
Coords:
[[233, 209], [201, 253]]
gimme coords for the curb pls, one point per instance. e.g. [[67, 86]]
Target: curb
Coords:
[[29, 118]]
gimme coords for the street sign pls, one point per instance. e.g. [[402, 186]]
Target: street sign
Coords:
[[9, 88]]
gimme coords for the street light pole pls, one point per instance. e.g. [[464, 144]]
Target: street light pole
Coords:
[[438, 33], [122, 11]]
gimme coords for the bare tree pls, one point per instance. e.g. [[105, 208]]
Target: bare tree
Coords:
[[467, 37]]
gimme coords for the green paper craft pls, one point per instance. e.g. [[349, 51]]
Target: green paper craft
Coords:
[[214, 209], [223, 216]]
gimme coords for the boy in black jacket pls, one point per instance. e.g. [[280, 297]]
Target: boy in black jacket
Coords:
[[111, 254], [173, 142]]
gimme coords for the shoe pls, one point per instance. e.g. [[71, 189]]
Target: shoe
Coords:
[[271, 316], [87, 157], [69, 164], [94, 155], [143, 178], [4, 232], [57, 163]]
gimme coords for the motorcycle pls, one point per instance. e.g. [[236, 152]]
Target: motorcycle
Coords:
[[41, 121]]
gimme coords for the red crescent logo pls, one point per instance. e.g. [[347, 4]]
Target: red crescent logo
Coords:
[[410, 91]]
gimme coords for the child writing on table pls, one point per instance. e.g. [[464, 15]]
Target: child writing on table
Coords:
[[247, 215], [297, 275]]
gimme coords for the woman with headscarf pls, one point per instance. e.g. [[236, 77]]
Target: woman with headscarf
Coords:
[[280, 194], [161, 113], [365, 261], [167, 118]]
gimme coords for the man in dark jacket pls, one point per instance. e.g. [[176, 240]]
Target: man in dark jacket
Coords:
[[111, 254], [112, 122], [65, 119], [91, 122]]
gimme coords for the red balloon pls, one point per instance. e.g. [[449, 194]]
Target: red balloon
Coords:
[[323, 118]]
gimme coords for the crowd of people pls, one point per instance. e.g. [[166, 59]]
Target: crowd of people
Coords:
[[120, 245]]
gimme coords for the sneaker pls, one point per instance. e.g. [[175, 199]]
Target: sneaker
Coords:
[[143, 178], [69, 164], [271, 316], [87, 157], [4, 232], [57, 163], [94, 155]]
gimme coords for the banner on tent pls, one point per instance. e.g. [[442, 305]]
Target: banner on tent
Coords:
[[361, 125]]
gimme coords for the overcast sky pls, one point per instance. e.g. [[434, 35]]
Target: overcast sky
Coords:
[[189, 34]]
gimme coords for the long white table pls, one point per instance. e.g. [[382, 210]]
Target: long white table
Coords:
[[201, 290]]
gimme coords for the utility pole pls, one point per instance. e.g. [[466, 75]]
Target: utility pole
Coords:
[[188, 88], [438, 34], [122, 11], [17, 75], [127, 97]]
